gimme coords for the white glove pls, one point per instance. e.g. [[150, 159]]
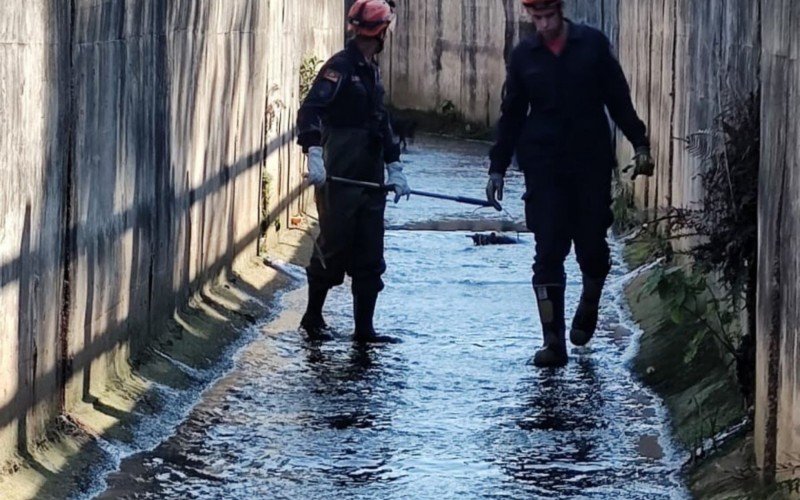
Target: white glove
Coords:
[[398, 181], [316, 167]]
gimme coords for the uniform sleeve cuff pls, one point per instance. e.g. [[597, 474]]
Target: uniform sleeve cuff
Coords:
[[497, 169], [309, 140]]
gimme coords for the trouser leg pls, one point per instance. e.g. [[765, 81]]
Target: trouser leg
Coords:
[[367, 267], [547, 213], [593, 218], [331, 253], [367, 264]]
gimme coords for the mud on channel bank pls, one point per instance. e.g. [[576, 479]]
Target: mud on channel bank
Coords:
[[707, 411]]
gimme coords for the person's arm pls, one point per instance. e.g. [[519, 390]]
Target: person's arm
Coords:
[[391, 151], [617, 98], [512, 118], [326, 87]]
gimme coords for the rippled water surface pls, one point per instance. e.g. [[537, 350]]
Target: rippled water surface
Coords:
[[454, 411]]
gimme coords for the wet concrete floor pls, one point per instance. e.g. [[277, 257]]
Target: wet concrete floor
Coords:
[[454, 411]]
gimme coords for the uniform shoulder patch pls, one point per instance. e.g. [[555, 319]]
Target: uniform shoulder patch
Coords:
[[331, 75]]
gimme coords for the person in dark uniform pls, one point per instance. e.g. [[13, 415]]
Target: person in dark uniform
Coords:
[[559, 84], [343, 127]]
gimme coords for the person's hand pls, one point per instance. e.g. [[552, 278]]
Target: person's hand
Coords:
[[397, 180], [642, 163], [316, 167], [494, 188]]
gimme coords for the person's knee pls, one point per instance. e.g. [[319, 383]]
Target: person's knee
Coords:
[[596, 264], [322, 277], [369, 284], [548, 272], [551, 252], [367, 273]]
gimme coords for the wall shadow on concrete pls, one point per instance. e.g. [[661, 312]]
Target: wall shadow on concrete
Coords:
[[66, 475], [128, 125], [96, 347]]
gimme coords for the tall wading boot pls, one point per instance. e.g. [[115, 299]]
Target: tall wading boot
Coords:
[[550, 300], [584, 323], [363, 312], [313, 322]]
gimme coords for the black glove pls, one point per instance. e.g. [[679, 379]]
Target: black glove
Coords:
[[642, 163], [494, 189]]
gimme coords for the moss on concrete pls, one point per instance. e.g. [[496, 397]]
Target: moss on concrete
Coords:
[[197, 336], [702, 397]]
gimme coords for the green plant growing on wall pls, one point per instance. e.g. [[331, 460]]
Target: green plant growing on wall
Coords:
[[725, 228], [690, 302], [622, 206], [308, 72], [728, 219], [266, 189], [448, 109]]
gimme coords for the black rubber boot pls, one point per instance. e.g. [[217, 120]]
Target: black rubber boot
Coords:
[[363, 312], [584, 323], [550, 300], [313, 322]]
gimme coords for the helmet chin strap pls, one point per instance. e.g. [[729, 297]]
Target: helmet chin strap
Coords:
[[380, 38]]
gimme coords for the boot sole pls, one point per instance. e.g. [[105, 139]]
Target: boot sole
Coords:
[[552, 360], [380, 339]]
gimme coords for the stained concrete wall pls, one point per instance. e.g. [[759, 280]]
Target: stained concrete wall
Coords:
[[683, 60], [445, 51], [777, 423], [135, 134]]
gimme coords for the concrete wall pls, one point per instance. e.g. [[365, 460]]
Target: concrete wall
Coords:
[[447, 51], [455, 51], [685, 60], [777, 425], [135, 134], [34, 66]]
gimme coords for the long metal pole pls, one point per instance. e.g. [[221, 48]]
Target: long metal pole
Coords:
[[388, 187]]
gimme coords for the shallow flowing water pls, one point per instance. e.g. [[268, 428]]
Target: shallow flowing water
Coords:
[[454, 411]]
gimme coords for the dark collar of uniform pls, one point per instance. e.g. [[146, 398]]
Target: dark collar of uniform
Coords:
[[575, 32], [355, 55]]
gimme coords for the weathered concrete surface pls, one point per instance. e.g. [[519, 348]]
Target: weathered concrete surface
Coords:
[[34, 83], [135, 133], [684, 60], [192, 350], [455, 52], [777, 425]]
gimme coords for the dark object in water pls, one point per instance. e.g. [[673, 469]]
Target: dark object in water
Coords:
[[492, 239], [404, 129]]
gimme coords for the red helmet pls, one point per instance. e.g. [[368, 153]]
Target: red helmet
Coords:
[[370, 17], [543, 5]]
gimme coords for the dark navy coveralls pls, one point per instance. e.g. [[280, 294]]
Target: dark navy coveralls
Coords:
[[553, 118], [344, 113]]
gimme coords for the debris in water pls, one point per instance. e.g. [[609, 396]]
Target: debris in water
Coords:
[[492, 239]]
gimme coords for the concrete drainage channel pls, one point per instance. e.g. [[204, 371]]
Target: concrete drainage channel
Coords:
[[454, 411]]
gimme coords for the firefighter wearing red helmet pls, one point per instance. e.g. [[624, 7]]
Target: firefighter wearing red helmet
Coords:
[[343, 127], [559, 84]]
